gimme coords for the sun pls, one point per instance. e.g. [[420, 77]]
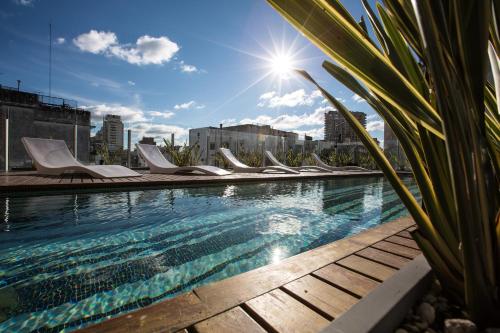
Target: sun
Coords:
[[281, 65]]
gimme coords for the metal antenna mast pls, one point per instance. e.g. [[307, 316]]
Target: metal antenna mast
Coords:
[[50, 59]]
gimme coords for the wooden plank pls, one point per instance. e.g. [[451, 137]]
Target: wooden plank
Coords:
[[285, 314], [87, 179], [234, 320], [382, 257], [397, 249], [321, 295], [66, 179], [167, 316], [403, 241], [405, 234], [346, 279], [412, 228], [367, 267]]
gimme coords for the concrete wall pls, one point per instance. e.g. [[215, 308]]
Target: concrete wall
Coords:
[[42, 122]]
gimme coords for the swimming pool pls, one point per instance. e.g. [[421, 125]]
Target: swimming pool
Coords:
[[69, 260]]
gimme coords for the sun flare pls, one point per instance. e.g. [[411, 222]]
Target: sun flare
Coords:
[[281, 65]]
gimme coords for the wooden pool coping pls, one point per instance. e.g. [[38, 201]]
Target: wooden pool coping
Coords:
[[303, 293], [30, 181]]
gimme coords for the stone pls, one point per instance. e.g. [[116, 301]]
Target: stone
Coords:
[[401, 330], [492, 330], [422, 325], [411, 328], [431, 299], [456, 325], [426, 312], [429, 330]]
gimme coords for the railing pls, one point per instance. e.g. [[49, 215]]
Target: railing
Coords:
[[11, 94]]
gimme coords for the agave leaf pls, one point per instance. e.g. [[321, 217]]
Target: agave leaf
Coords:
[[433, 198], [455, 285], [402, 13], [449, 129], [335, 34], [460, 100], [403, 55], [495, 26], [403, 121], [408, 199], [377, 27]]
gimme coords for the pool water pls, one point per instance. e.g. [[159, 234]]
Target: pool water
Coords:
[[70, 260]]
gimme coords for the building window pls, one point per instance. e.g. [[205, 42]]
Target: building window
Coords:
[[212, 145]]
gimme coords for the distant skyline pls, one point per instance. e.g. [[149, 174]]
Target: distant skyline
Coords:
[[168, 66]]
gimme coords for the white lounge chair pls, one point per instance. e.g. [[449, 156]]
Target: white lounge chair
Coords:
[[157, 163], [311, 168], [52, 157], [322, 164], [243, 168]]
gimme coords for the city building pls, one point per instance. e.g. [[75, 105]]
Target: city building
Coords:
[[147, 140], [112, 132], [337, 129], [38, 116], [393, 150], [246, 137]]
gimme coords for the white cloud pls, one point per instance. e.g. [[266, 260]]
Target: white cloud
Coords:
[[60, 40], [290, 122], [131, 83], [146, 50], [127, 113], [160, 131], [376, 125], [96, 81], [24, 2], [189, 105], [185, 68], [158, 114], [95, 41], [373, 116], [296, 98], [357, 98], [317, 133], [228, 122], [188, 68]]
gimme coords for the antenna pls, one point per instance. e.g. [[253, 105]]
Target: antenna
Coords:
[[50, 59]]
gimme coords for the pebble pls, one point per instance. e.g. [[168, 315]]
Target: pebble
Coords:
[[426, 312], [431, 299], [459, 326], [411, 328], [422, 325]]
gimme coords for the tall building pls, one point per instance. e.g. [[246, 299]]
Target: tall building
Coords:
[[112, 132], [337, 129], [38, 116]]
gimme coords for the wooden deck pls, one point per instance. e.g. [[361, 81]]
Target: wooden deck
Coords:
[[30, 181], [303, 293]]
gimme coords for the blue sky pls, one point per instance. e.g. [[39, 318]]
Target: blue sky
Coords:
[[167, 66]]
